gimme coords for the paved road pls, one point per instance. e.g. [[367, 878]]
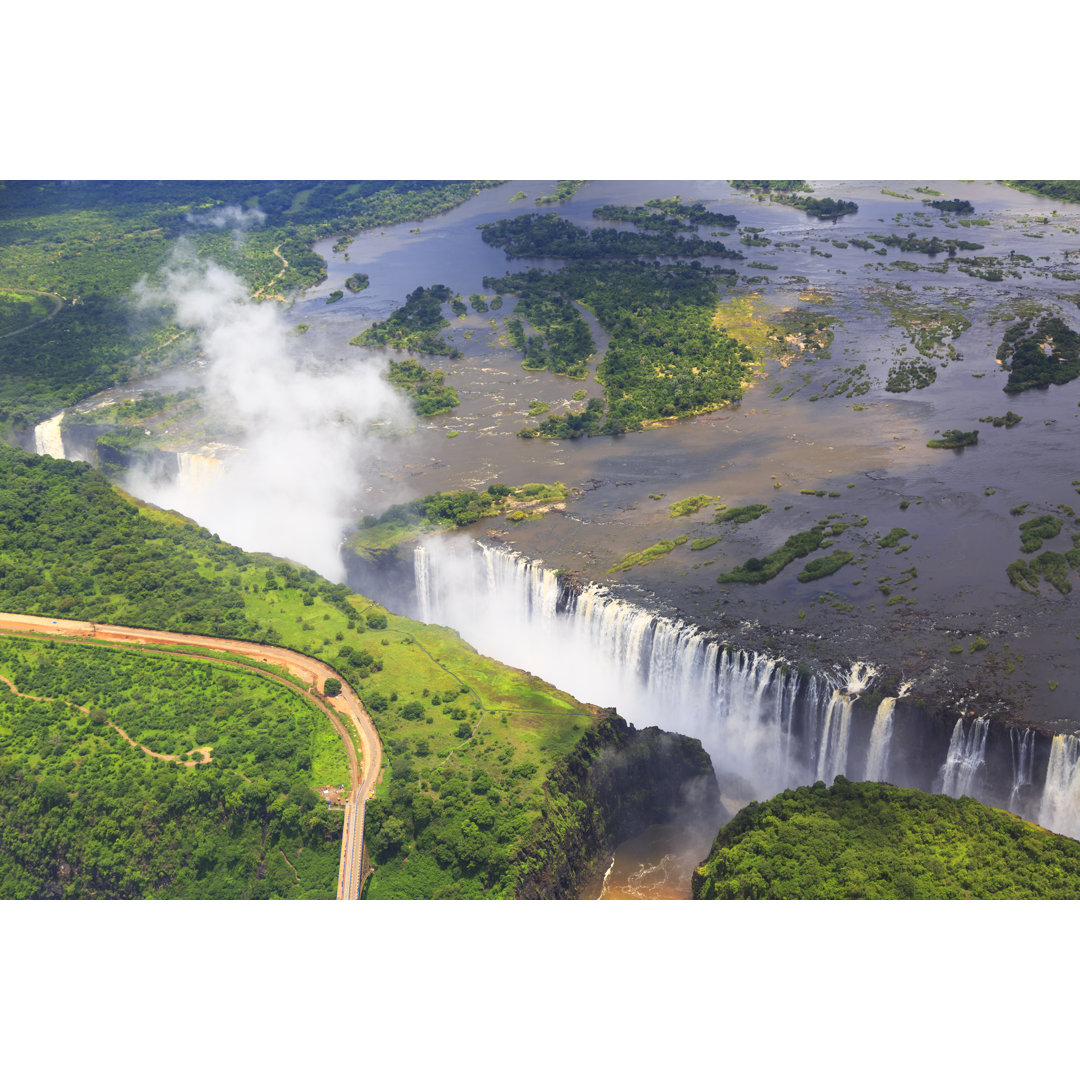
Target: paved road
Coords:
[[312, 671]]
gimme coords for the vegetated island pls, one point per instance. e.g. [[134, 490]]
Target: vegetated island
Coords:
[[879, 842], [787, 192], [1042, 355], [446, 510]]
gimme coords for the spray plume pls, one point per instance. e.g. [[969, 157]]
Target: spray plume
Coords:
[[304, 427]]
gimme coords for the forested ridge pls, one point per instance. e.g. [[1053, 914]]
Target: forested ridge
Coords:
[[876, 841], [468, 743]]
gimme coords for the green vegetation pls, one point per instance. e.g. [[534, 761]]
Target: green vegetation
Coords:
[[907, 375], [689, 506], [950, 206], [469, 745], [650, 554], [703, 542], [875, 841], [756, 571], [564, 189], [893, 537], [770, 185], [823, 567], [87, 814], [665, 359], [19, 310], [1040, 356], [448, 510], [572, 424], [549, 236], [89, 242], [741, 514], [423, 386], [357, 282], [953, 439], [335, 296], [562, 343], [1034, 531], [1010, 419], [1064, 190], [927, 191], [825, 209], [415, 326], [926, 245]]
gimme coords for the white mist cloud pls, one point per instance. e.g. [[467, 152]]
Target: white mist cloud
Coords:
[[227, 217], [306, 426]]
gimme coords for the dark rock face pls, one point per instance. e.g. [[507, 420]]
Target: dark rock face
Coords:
[[618, 781]]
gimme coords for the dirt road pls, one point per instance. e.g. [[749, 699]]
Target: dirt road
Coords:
[[313, 672]]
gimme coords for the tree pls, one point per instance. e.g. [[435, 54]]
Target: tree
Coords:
[[332, 687]]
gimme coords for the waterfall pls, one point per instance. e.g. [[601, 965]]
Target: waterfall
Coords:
[[1021, 746], [832, 754], [196, 472], [765, 724], [1059, 809], [748, 709], [877, 756], [48, 438], [966, 755], [420, 573]]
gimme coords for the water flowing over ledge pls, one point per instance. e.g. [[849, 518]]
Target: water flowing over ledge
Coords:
[[767, 724]]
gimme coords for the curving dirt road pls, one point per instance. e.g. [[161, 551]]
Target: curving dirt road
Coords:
[[312, 671], [44, 318]]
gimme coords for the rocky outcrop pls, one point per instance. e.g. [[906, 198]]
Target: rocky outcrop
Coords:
[[617, 782]]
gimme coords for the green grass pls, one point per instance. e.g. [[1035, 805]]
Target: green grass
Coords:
[[689, 506]]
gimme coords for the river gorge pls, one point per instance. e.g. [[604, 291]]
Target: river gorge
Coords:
[[919, 663]]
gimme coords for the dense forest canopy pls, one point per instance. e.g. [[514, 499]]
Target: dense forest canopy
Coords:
[[875, 841], [469, 745]]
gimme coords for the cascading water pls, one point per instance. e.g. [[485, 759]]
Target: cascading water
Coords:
[[1059, 809], [48, 439], [765, 724], [877, 756], [1022, 746], [966, 756], [196, 472], [749, 710]]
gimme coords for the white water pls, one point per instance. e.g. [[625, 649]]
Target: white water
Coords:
[[197, 472], [1059, 809], [1022, 746], [966, 756], [47, 437], [877, 756], [765, 726], [654, 670]]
